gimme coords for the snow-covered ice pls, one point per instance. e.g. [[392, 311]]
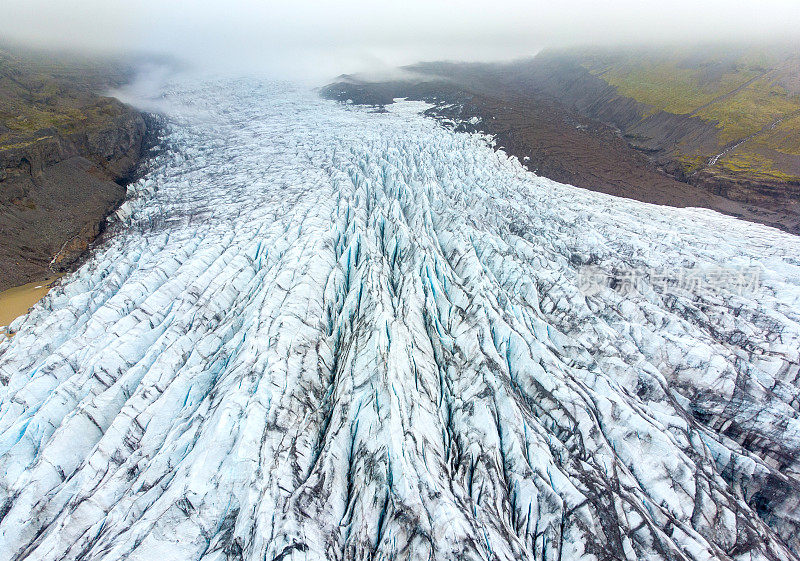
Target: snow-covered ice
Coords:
[[323, 332]]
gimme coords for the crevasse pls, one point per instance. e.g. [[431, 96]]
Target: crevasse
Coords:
[[322, 332]]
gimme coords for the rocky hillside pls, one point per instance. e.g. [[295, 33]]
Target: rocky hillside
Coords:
[[65, 154], [725, 119], [719, 130]]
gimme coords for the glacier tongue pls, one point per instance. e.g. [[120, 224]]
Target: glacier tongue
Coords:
[[321, 332]]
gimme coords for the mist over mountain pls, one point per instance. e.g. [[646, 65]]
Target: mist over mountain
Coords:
[[318, 40]]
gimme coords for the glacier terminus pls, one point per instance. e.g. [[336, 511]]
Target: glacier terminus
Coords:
[[324, 332]]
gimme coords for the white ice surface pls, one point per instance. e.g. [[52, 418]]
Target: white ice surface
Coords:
[[321, 332]]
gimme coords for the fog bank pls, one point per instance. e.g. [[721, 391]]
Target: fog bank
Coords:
[[314, 40]]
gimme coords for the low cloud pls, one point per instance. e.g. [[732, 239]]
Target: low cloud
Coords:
[[316, 40]]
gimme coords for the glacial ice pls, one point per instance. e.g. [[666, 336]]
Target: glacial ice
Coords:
[[325, 332]]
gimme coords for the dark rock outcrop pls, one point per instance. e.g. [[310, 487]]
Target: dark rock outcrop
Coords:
[[58, 183], [569, 125]]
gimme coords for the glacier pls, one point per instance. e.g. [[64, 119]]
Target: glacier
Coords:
[[321, 331]]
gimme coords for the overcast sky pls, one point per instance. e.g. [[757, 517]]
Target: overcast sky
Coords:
[[316, 39]]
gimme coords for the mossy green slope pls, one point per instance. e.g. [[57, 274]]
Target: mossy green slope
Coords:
[[751, 96], [42, 98]]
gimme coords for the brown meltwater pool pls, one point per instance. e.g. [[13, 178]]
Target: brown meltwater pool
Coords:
[[16, 301]]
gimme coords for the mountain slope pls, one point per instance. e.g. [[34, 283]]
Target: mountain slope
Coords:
[[64, 150], [322, 332], [726, 119], [569, 115]]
